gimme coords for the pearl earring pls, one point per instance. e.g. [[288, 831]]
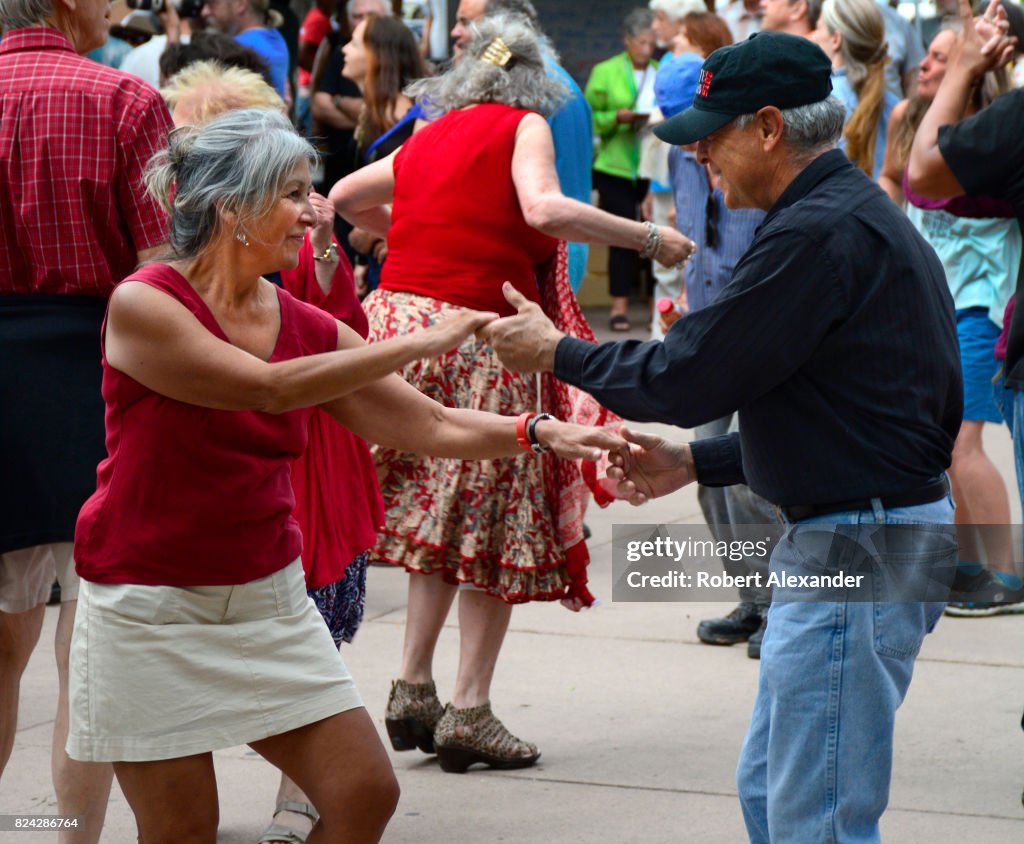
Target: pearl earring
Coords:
[[241, 238]]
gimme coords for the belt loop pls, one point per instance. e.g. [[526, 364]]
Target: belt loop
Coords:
[[878, 510]]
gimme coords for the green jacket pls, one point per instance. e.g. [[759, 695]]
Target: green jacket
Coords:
[[612, 86]]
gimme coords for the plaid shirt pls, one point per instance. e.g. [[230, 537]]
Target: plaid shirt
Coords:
[[75, 138]]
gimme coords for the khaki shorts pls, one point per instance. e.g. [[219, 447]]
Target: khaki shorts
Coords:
[[27, 575]]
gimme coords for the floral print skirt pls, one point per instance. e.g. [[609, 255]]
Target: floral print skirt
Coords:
[[486, 523]]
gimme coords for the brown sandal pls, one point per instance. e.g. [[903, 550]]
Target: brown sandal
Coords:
[[465, 736], [412, 714]]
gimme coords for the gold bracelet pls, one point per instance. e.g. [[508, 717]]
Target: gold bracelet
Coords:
[[330, 255]]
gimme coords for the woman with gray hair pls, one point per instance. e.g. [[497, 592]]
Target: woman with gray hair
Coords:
[[196, 632], [476, 203]]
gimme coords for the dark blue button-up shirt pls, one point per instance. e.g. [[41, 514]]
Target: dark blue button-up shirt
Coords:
[[835, 340]]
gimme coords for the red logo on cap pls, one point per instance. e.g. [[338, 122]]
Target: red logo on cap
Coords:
[[704, 83]]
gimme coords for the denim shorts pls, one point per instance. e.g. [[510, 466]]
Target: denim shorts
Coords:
[[978, 335]]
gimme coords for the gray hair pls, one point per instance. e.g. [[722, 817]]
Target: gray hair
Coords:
[[637, 21], [237, 162], [18, 14], [678, 9], [513, 7], [385, 8], [522, 83], [808, 130]]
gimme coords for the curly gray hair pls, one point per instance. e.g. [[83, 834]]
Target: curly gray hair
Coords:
[[522, 83], [513, 7]]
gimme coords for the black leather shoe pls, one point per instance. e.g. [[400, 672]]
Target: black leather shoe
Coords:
[[754, 642], [738, 626]]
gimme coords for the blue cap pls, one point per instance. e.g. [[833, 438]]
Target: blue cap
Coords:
[[676, 83]]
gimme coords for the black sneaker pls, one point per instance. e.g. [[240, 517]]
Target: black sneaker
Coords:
[[982, 596], [738, 626], [754, 642]]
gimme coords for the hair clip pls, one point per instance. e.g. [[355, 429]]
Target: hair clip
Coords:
[[497, 52]]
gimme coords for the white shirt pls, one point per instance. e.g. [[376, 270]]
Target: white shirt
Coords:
[[144, 60]]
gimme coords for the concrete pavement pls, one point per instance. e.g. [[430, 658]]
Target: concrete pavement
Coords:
[[640, 725]]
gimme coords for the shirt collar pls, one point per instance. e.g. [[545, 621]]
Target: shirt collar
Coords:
[[807, 179], [35, 38]]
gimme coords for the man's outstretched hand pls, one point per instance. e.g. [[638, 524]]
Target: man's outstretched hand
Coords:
[[652, 468], [525, 342]]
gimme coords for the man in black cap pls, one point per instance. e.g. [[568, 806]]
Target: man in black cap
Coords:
[[836, 342]]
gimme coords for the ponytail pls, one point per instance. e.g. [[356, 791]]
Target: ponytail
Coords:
[[861, 132]]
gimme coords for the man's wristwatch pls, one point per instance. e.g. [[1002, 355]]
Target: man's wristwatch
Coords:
[[330, 255]]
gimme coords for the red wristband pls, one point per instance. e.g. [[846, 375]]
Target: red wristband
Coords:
[[521, 436]]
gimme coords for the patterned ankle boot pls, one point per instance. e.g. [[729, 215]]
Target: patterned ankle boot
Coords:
[[412, 714], [465, 736]]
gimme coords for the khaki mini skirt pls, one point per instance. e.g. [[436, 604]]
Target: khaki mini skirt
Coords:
[[159, 672]]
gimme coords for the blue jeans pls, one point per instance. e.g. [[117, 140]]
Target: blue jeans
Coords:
[[1011, 404], [816, 762]]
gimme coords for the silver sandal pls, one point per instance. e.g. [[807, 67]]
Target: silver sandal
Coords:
[[281, 833]]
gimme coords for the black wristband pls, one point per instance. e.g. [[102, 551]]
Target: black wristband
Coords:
[[531, 433]]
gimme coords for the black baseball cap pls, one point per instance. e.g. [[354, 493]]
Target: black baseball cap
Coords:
[[768, 69]]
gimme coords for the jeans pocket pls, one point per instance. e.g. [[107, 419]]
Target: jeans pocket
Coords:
[[916, 564], [900, 628]]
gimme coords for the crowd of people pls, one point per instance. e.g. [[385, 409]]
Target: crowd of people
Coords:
[[281, 299]]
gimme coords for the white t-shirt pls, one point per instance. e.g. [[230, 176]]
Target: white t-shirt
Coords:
[[645, 101], [144, 60]]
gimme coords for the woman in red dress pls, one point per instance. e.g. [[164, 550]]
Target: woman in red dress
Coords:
[[469, 202]]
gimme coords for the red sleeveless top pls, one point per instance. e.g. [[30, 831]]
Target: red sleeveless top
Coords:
[[190, 496], [457, 229]]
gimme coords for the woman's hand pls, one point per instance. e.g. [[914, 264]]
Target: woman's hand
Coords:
[[320, 234], [676, 248], [983, 44], [651, 467], [359, 272], [362, 241], [448, 333], [579, 442]]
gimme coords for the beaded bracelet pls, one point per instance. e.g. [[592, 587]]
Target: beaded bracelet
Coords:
[[653, 243]]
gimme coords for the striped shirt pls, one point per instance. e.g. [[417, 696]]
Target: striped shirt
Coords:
[[711, 268], [75, 137]]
